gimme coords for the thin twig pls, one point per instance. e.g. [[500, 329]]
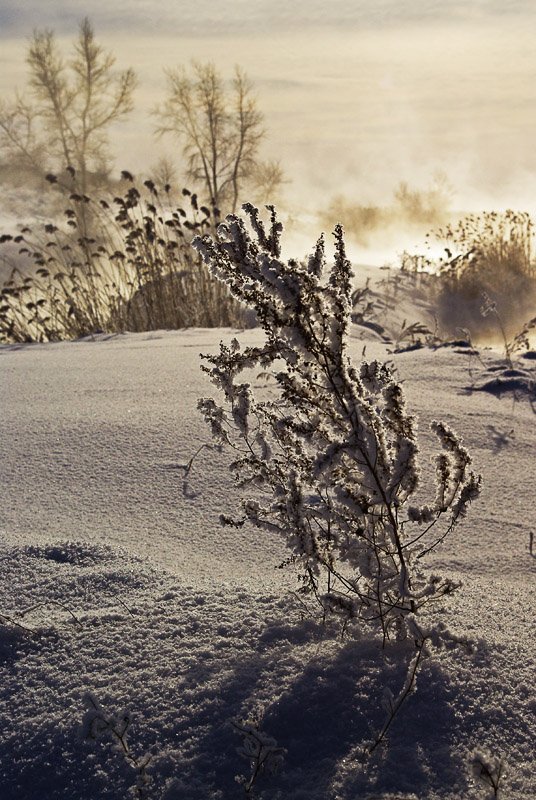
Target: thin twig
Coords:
[[406, 691], [51, 603]]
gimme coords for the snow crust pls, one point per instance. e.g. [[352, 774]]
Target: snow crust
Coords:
[[140, 598]]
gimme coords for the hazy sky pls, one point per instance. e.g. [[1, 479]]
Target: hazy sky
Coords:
[[357, 94]]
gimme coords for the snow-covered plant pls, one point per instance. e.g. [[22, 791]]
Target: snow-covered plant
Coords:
[[260, 751], [98, 724], [489, 771], [330, 461]]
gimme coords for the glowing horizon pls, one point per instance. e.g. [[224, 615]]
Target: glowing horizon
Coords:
[[355, 99]]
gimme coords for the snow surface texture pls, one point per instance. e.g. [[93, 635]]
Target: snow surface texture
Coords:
[[190, 626]]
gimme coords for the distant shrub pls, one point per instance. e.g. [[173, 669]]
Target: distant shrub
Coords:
[[410, 209], [491, 253], [137, 270]]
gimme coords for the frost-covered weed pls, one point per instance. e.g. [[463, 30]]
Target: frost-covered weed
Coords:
[[331, 461], [98, 724], [260, 751], [489, 771]]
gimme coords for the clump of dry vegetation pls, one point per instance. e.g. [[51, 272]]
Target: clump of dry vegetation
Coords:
[[135, 270], [487, 255]]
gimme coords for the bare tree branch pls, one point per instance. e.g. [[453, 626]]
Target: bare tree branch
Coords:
[[220, 133]]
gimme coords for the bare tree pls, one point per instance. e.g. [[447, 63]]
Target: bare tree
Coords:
[[62, 119], [164, 172], [220, 132]]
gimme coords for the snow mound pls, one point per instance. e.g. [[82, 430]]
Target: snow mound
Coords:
[[79, 553], [510, 381], [115, 584]]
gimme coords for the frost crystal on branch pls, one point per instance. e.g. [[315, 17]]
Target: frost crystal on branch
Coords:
[[259, 750], [331, 459]]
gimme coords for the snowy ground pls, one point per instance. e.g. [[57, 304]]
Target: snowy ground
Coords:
[[188, 625]]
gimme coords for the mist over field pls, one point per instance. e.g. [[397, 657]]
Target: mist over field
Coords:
[[357, 97]]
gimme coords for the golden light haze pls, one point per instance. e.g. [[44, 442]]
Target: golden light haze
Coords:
[[351, 111]]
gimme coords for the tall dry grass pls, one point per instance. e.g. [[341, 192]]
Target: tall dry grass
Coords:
[[135, 270], [490, 254]]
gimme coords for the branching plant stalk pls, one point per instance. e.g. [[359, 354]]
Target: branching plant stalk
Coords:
[[405, 692], [330, 459]]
